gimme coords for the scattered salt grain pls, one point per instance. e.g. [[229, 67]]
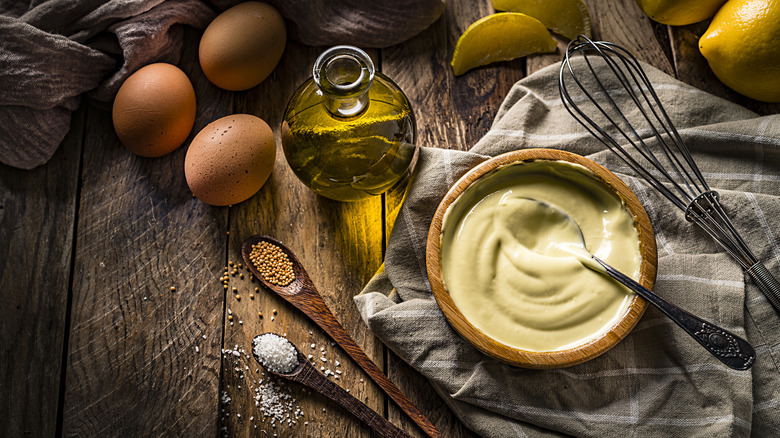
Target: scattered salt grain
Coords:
[[275, 353]]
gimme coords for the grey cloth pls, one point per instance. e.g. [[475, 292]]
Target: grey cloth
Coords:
[[53, 51], [658, 381], [60, 49]]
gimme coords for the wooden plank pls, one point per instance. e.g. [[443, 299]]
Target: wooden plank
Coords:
[[340, 244], [624, 23], [37, 213], [144, 360], [452, 112]]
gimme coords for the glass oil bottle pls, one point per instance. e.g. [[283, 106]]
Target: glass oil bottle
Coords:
[[349, 131]]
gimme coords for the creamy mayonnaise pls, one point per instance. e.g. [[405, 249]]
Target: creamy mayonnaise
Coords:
[[509, 285]]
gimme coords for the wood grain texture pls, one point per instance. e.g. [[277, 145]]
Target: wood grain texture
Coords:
[[37, 213], [302, 294], [559, 358], [305, 374], [105, 234], [452, 112], [338, 243], [132, 365], [624, 23]]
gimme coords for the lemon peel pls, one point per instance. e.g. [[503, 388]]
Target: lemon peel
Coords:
[[500, 37], [679, 12], [741, 48], [569, 18]]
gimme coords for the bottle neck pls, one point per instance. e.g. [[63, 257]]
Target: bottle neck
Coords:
[[344, 75]]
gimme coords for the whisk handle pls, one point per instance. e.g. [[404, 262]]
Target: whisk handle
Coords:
[[768, 284]]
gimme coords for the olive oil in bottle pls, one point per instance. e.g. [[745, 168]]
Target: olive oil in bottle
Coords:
[[348, 132]]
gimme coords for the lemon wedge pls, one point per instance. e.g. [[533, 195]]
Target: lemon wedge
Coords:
[[500, 37], [564, 17]]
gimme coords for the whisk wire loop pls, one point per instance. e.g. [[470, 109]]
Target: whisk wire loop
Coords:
[[662, 159], [599, 132]]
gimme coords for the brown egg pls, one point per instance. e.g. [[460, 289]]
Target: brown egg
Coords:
[[230, 159], [241, 47], [154, 110]]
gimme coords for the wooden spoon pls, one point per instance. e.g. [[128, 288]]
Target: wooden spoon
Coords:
[[306, 374], [302, 294]]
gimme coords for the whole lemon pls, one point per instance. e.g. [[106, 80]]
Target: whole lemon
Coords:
[[742, 49], [679, 12]]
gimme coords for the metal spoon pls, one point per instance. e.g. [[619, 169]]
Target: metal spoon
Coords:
[[730, 349], [306, 374], [302, 294]]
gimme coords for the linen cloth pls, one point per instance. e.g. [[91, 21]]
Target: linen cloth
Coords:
[[658, 381], [53, 51]]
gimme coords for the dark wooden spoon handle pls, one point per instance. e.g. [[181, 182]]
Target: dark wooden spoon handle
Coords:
[[302, 294], [314, 307], [313, 379]]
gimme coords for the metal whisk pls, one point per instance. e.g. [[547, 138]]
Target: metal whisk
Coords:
[[662, 160]]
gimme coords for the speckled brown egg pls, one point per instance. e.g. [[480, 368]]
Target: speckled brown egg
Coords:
[[242, 46], [154, 110], [230, 159]]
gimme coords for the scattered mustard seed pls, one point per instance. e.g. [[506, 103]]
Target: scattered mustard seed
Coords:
[[274, 265], [260, 314], [173, 288], [251, 296], [274, 311], [230, 317]]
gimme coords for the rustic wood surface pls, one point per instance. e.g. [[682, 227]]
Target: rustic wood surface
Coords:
[[93, 341], [303, 295]]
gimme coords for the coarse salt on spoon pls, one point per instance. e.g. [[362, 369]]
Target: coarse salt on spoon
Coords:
[[278, 269], [281, 358]]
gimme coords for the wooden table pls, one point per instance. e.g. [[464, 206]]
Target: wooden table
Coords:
[[96, 343]]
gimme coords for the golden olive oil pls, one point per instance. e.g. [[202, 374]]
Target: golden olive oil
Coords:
[[348, 132]]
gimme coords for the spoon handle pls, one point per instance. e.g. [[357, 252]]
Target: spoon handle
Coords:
[[313, 379], [729, 348], [316, 309]]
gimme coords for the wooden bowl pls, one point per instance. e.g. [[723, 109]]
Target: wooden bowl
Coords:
[[547, 359]]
